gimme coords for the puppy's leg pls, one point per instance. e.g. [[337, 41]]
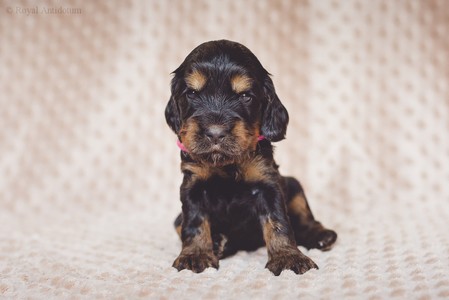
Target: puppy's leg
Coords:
[[283, 253], [178, 224], [221, 246], [197, 246], [308, 232]]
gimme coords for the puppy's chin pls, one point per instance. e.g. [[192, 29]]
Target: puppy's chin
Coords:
[[218, 156], [217, 159]]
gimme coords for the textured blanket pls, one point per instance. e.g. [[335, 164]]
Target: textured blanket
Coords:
[[89, 171]]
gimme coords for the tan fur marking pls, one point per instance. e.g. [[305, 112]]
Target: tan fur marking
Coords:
[[178, 230], [274, 241], [256, 169], [201, 242], [201, 171], [197, 252], [298, 206], [196, 80], [255, 137], [247, 139], [188, 132], [221, 246], [241, 83], [242, 135]]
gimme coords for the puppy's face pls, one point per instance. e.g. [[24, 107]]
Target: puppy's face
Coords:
[[222, 101]]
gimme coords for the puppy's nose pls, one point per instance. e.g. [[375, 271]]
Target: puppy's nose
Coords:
[[215, 133]]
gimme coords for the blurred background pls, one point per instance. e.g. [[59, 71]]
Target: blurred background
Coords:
[[84, 92], [85, 150]]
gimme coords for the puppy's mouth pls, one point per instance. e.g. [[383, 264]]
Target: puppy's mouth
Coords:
[[217, 154]]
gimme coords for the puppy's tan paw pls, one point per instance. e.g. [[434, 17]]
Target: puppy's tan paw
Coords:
[[196, 262], [290, 260]]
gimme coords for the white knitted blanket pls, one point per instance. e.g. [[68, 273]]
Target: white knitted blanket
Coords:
[[89, 171]]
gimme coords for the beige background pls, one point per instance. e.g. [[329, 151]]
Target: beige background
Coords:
[[89, 171]]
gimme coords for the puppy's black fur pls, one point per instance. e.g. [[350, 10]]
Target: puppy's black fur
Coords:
[[225, 111]]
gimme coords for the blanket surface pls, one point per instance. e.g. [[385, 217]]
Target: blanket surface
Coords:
[[89, 170]]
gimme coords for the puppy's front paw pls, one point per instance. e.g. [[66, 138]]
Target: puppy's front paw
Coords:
[[197, 262], [290, 260]]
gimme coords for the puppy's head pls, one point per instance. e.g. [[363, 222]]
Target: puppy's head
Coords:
[[222, 100]]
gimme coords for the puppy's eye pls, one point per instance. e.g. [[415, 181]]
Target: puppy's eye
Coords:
[[245, 97], [191, 93]]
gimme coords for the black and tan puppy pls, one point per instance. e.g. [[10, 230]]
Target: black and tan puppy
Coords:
[[225, 112]]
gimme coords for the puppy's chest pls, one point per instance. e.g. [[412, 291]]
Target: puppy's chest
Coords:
[[245, 174], [230, 189], [230, 201]]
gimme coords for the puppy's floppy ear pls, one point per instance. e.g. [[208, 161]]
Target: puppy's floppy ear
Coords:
[[275, 116], [172, 113]]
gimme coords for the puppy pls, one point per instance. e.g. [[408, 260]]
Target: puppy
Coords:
[[225, 112]]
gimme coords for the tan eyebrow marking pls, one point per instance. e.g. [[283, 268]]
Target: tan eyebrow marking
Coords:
[[196, 80], [241, 83]]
